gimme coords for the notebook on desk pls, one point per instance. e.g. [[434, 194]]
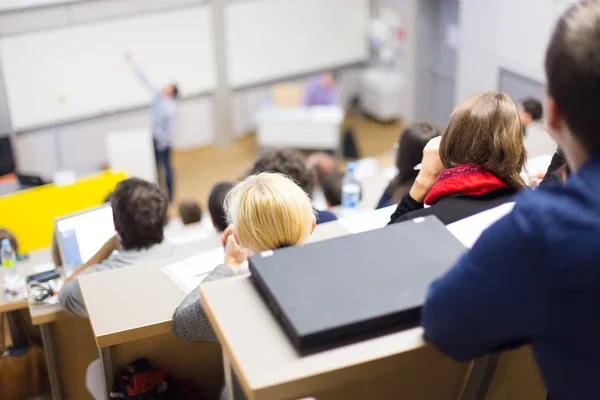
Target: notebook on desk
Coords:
[[328, 293]]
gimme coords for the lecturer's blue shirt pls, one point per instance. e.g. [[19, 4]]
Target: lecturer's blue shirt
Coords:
[[532, 278], [164, 113]]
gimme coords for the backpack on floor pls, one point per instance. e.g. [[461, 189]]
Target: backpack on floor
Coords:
[[139, 381]]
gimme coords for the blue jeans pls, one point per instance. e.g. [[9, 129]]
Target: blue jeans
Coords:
[[163, 157]]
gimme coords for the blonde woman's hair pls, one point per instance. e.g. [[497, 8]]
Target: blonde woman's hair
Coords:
[[269, 211], [486, 130]]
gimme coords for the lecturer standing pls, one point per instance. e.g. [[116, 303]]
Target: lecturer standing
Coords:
[[164, 112]]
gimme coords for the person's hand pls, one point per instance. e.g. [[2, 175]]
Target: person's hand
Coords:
[[225, 235], [128, 58], [431, 166], [235, 255]]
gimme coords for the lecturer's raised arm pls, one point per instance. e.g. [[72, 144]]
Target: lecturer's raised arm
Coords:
[[142, 77]]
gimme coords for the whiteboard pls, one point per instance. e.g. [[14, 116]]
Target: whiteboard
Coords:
[[77, 72], [271, 39]]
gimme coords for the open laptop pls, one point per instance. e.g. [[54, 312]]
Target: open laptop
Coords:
[[341, 290], [30, 181], [80, 235]]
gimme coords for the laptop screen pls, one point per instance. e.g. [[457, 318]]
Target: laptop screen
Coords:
[[81, 235]]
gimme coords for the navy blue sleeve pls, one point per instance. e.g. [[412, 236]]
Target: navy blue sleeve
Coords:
[[497, 295]]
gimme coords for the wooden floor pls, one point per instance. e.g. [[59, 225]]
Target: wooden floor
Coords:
[[198, 170]]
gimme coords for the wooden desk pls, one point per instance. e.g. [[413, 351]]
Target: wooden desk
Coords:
[[398, 365], [134, 321], [25, 268]]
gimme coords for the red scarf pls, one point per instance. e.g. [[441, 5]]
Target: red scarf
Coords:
[[465, 180]]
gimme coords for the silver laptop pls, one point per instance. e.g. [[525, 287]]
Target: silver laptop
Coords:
[[80, 235]]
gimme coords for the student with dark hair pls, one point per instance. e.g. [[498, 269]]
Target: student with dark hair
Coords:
[[532, 278], [475, 165], [216, 205], [292, 164], [537, 141], [190, 212], [409, 153], [164, 113], [139, 214], [332, 189]]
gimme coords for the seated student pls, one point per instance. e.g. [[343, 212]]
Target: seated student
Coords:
[[216, 205], [139, 213], [190, 213], [293, 164], [286, 219], [408, 155], [324, 165], [475, 165], [332, 189], [533, 277], [321, 91], [537, 141]]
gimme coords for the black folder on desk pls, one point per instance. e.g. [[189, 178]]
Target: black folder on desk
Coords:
[[329, 293]]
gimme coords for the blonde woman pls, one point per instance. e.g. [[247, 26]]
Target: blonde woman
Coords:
[[266, 212]]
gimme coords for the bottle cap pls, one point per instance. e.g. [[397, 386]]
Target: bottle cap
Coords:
[[351, 166], [5, 243]]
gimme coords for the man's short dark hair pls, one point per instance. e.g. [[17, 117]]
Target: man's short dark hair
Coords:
[[175, 91], [216, 201], [190, 212], [534, 108], [139, 212], [332, 188], [287, 162], [573, 71]]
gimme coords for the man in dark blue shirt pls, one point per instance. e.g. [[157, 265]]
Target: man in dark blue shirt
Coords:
[[534, 276]]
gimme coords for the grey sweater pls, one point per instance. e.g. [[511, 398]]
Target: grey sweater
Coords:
[[70, 297], [190, 322]]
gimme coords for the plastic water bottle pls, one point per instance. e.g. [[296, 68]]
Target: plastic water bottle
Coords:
[[12, 280], [350, 191]]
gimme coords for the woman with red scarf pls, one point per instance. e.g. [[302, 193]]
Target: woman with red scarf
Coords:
[[474, 166]]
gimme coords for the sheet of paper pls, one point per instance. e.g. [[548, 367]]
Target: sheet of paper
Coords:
[[49, 266], [189, 273], [469, 229], [367, 221]]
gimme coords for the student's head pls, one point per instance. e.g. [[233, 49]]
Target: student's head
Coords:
[[328, 79], [287, 162], [269, 211], [171, 90], [411, 143], [573, 83], [216, 205], [190, 212], [323, 164], [485, 130], [139, 212], [332, 188], [530, 110], [6, 234], [409, 154]]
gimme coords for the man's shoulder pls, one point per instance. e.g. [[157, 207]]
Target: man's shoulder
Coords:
[[557, 206]]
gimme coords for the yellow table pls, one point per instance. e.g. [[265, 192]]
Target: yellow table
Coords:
[[29, 214]]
